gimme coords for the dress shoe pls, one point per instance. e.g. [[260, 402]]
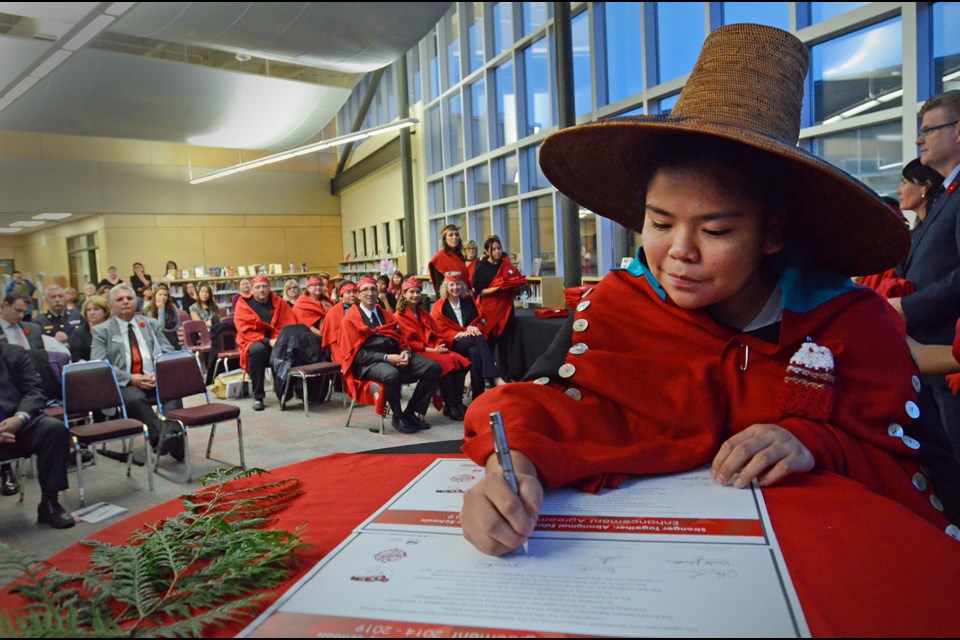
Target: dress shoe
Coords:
[[10, 486], [453, 412], [416, 420], [258, 405], [401, 424], [50, 512]]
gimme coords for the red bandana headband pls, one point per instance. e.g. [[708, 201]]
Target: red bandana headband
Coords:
[[259, 279], [349, 286], [411, 283], [313, 281], [365, 281], [452, 276]]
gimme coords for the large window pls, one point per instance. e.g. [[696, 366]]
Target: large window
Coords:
[[588, 242], [537, 75], [534, 16], [680, 34], [433, 66], [946, 46], [542, 236], [506, 105], [456, 191], [435, 197], [507, 176], [451, 36], [474, 19], [624, 50], [858, 73], [454, 129], [478, 118], [820, 11], [582, 77], [774, 14], [479, 191], [434, 142], [532, 177], [873, 154], [502, 27], [481, 226], [510, 233]]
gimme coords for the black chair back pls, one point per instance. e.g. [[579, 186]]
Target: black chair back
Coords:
[[178, 376], [90, 386]]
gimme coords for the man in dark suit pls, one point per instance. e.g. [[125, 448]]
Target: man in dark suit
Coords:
[[19, 332], [27, 430], [374, 349], [132, 343], [933, 264]]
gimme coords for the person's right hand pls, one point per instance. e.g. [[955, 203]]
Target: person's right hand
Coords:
[[143, 380], [496, 520]]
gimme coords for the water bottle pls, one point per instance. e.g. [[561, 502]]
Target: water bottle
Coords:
[[525, 300]]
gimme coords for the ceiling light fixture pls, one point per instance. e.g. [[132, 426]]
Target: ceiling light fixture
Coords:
[[52, 216], [10, 229], [101, 17], [310, 148], [26, 223]]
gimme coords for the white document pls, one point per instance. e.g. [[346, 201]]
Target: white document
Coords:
[[98, 512], [668, 556], [684, 507]]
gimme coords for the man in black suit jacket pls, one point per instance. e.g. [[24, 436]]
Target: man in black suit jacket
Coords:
[[933, 264], [27, 430], [25, 334]]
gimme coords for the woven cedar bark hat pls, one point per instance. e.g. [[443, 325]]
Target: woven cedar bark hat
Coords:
[[747, 86]]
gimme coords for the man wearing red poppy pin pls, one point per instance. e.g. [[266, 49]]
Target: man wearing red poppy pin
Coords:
[[17, 330], [132, 343], [259, 320]]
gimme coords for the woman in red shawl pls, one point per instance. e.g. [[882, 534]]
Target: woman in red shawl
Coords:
[[459, 324], [421, 333], [449, 259], [310, 308], [496, 282], [330, 328]]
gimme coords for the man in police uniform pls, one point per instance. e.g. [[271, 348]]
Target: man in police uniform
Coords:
[[57, 322]]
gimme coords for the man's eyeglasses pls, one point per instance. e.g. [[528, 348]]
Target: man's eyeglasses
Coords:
[[922, 133]]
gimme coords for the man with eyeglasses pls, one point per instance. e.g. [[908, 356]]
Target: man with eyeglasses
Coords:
[[933, 263]]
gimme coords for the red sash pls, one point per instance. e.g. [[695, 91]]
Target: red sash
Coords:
[[447, 329], [495, 308], [420, 332], [308, 311], [443, 263], [353, 333]]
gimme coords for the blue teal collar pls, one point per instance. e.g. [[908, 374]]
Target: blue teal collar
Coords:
[[804, 287]]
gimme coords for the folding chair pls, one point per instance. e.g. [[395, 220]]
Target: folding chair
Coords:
[[327, 370], [13, 457], [192, 329], [92, 386], [179, 376], [226, 337]]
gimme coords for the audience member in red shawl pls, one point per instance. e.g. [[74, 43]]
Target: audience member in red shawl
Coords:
[[470, 258], [449, 259], [496, 282], [259, 320], [330, 329], [309, 309], [459, 324], [421, 333], [372, 348]]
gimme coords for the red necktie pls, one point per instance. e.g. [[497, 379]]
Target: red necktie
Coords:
[[136, 360]]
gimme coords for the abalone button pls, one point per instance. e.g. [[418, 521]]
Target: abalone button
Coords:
[[935, 501], [580, 325], [912, 409], [915, 381], [895, 430], [910, 442], [578, 349], [583, 306], [953, 531], [543, 380], [567, 370], [574, 393], [920, 481]]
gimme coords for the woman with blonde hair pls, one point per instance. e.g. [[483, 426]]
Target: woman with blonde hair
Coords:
[[93, 311], [291, 291]]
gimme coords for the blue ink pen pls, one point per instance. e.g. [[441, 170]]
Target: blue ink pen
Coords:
[[503, 457]]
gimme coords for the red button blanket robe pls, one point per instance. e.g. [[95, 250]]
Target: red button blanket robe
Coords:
[[661, 388], [420, 331], [495, 308], [442, 263], [250, 328], [353, 333]]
